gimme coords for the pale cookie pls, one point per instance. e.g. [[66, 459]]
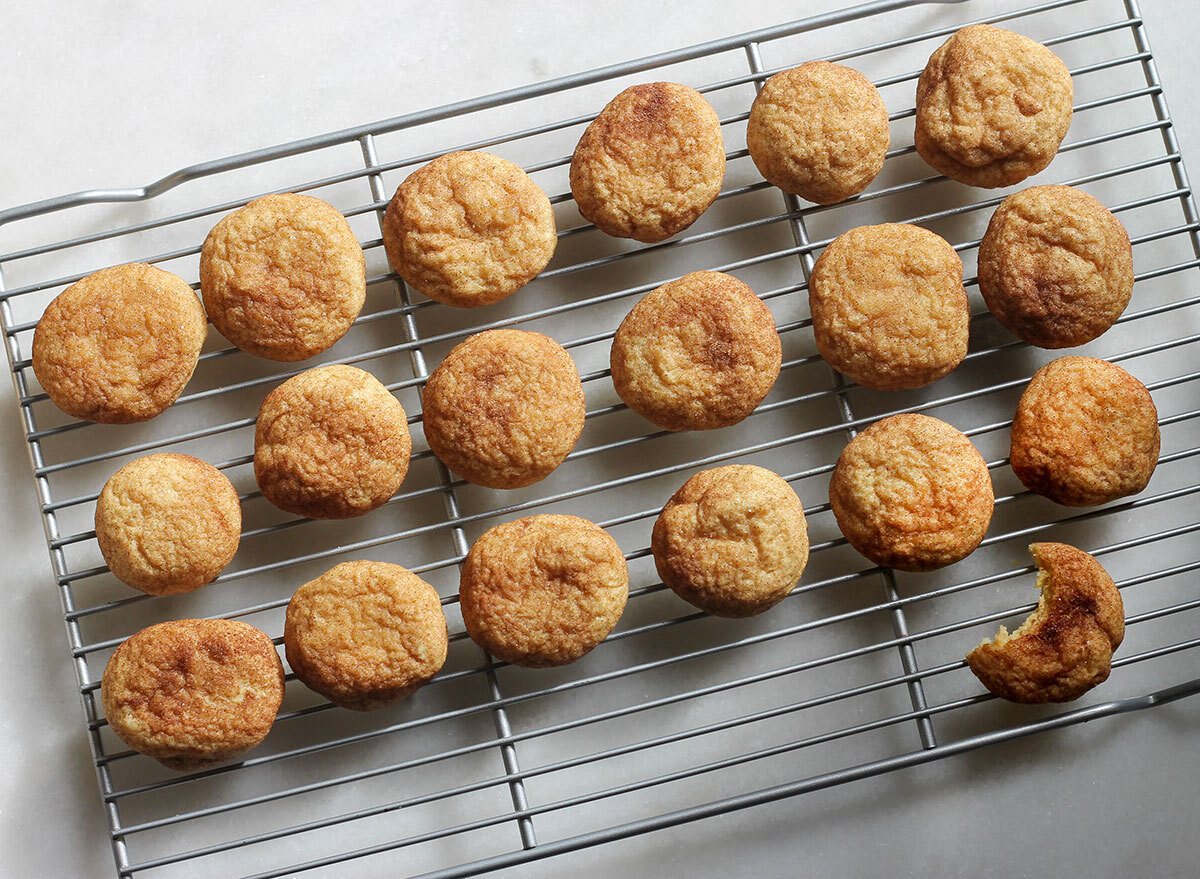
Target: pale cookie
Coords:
[[119, 345], [733, 540], [543, 590], [1085, 433], [504, 408], [283, 277], [992, 107], [888, 306], [168, 523], [650, 164], [193, 693], [697, 353], [331, 443], [911, 492], [819, 131], [1065, 647], [1055, 266], [364, 634], [469, 229]]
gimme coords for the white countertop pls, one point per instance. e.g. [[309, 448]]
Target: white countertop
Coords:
[[96, 95]]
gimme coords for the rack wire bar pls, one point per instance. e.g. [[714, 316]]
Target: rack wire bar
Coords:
[[671, 701]]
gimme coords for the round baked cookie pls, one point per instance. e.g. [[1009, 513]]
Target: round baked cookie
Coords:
[[992, 107], [193, 693], [283, 277], [1085, 433], [168, 523], [733, 540], [888, 306], [650, 164], [1055, 266], [469, 229], [1065, 647], [697, 353], [331, 443], [364, 634], [543, 590], [819, 131], [504, 408], [912, 492], [119, 345]]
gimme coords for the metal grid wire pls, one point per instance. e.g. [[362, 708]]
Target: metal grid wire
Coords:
[[677, 716]]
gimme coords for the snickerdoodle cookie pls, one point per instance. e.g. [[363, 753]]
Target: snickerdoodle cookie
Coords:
[[911, 492], [697, 353], [168, 523], [504, 408], [193, 693], [888, 305], [733, 540], [1065, 647], [1055, 266], [819, 131], [1085, 433], [992, 107], [543, 590], [469, 229], [331, 443], [283, 277], [363, 634], [651, 163], [119, 345]]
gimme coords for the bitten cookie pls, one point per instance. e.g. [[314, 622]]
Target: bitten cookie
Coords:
[[819, 131], [992, 107], [543, 590], [193, 693], [888, 306], [1085, 433], [504, 408], [697, 353], [1055, 266], [119, 345], [733, 540], [283, 277], [650, 164], [469, 229], [331, 443], [364, 634], [168, 523], [1065, 647], [911, 492]]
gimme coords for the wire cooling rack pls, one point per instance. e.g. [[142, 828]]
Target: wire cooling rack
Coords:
[[677, 716]]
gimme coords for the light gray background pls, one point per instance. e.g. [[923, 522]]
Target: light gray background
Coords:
[[116, 94]]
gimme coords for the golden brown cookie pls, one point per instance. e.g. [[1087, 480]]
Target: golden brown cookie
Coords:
[[911, 492], [119, 345], [168, 523], [543, 590], [1065, 647], [331, 443], [888, 305], [193, 693], [697, 353], [650, 164], [283, 277], [469, 229], [819, 131], [992, 107], [733, 540], [1055, 266], [504, 408], [364, 634], [1085, 433]]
